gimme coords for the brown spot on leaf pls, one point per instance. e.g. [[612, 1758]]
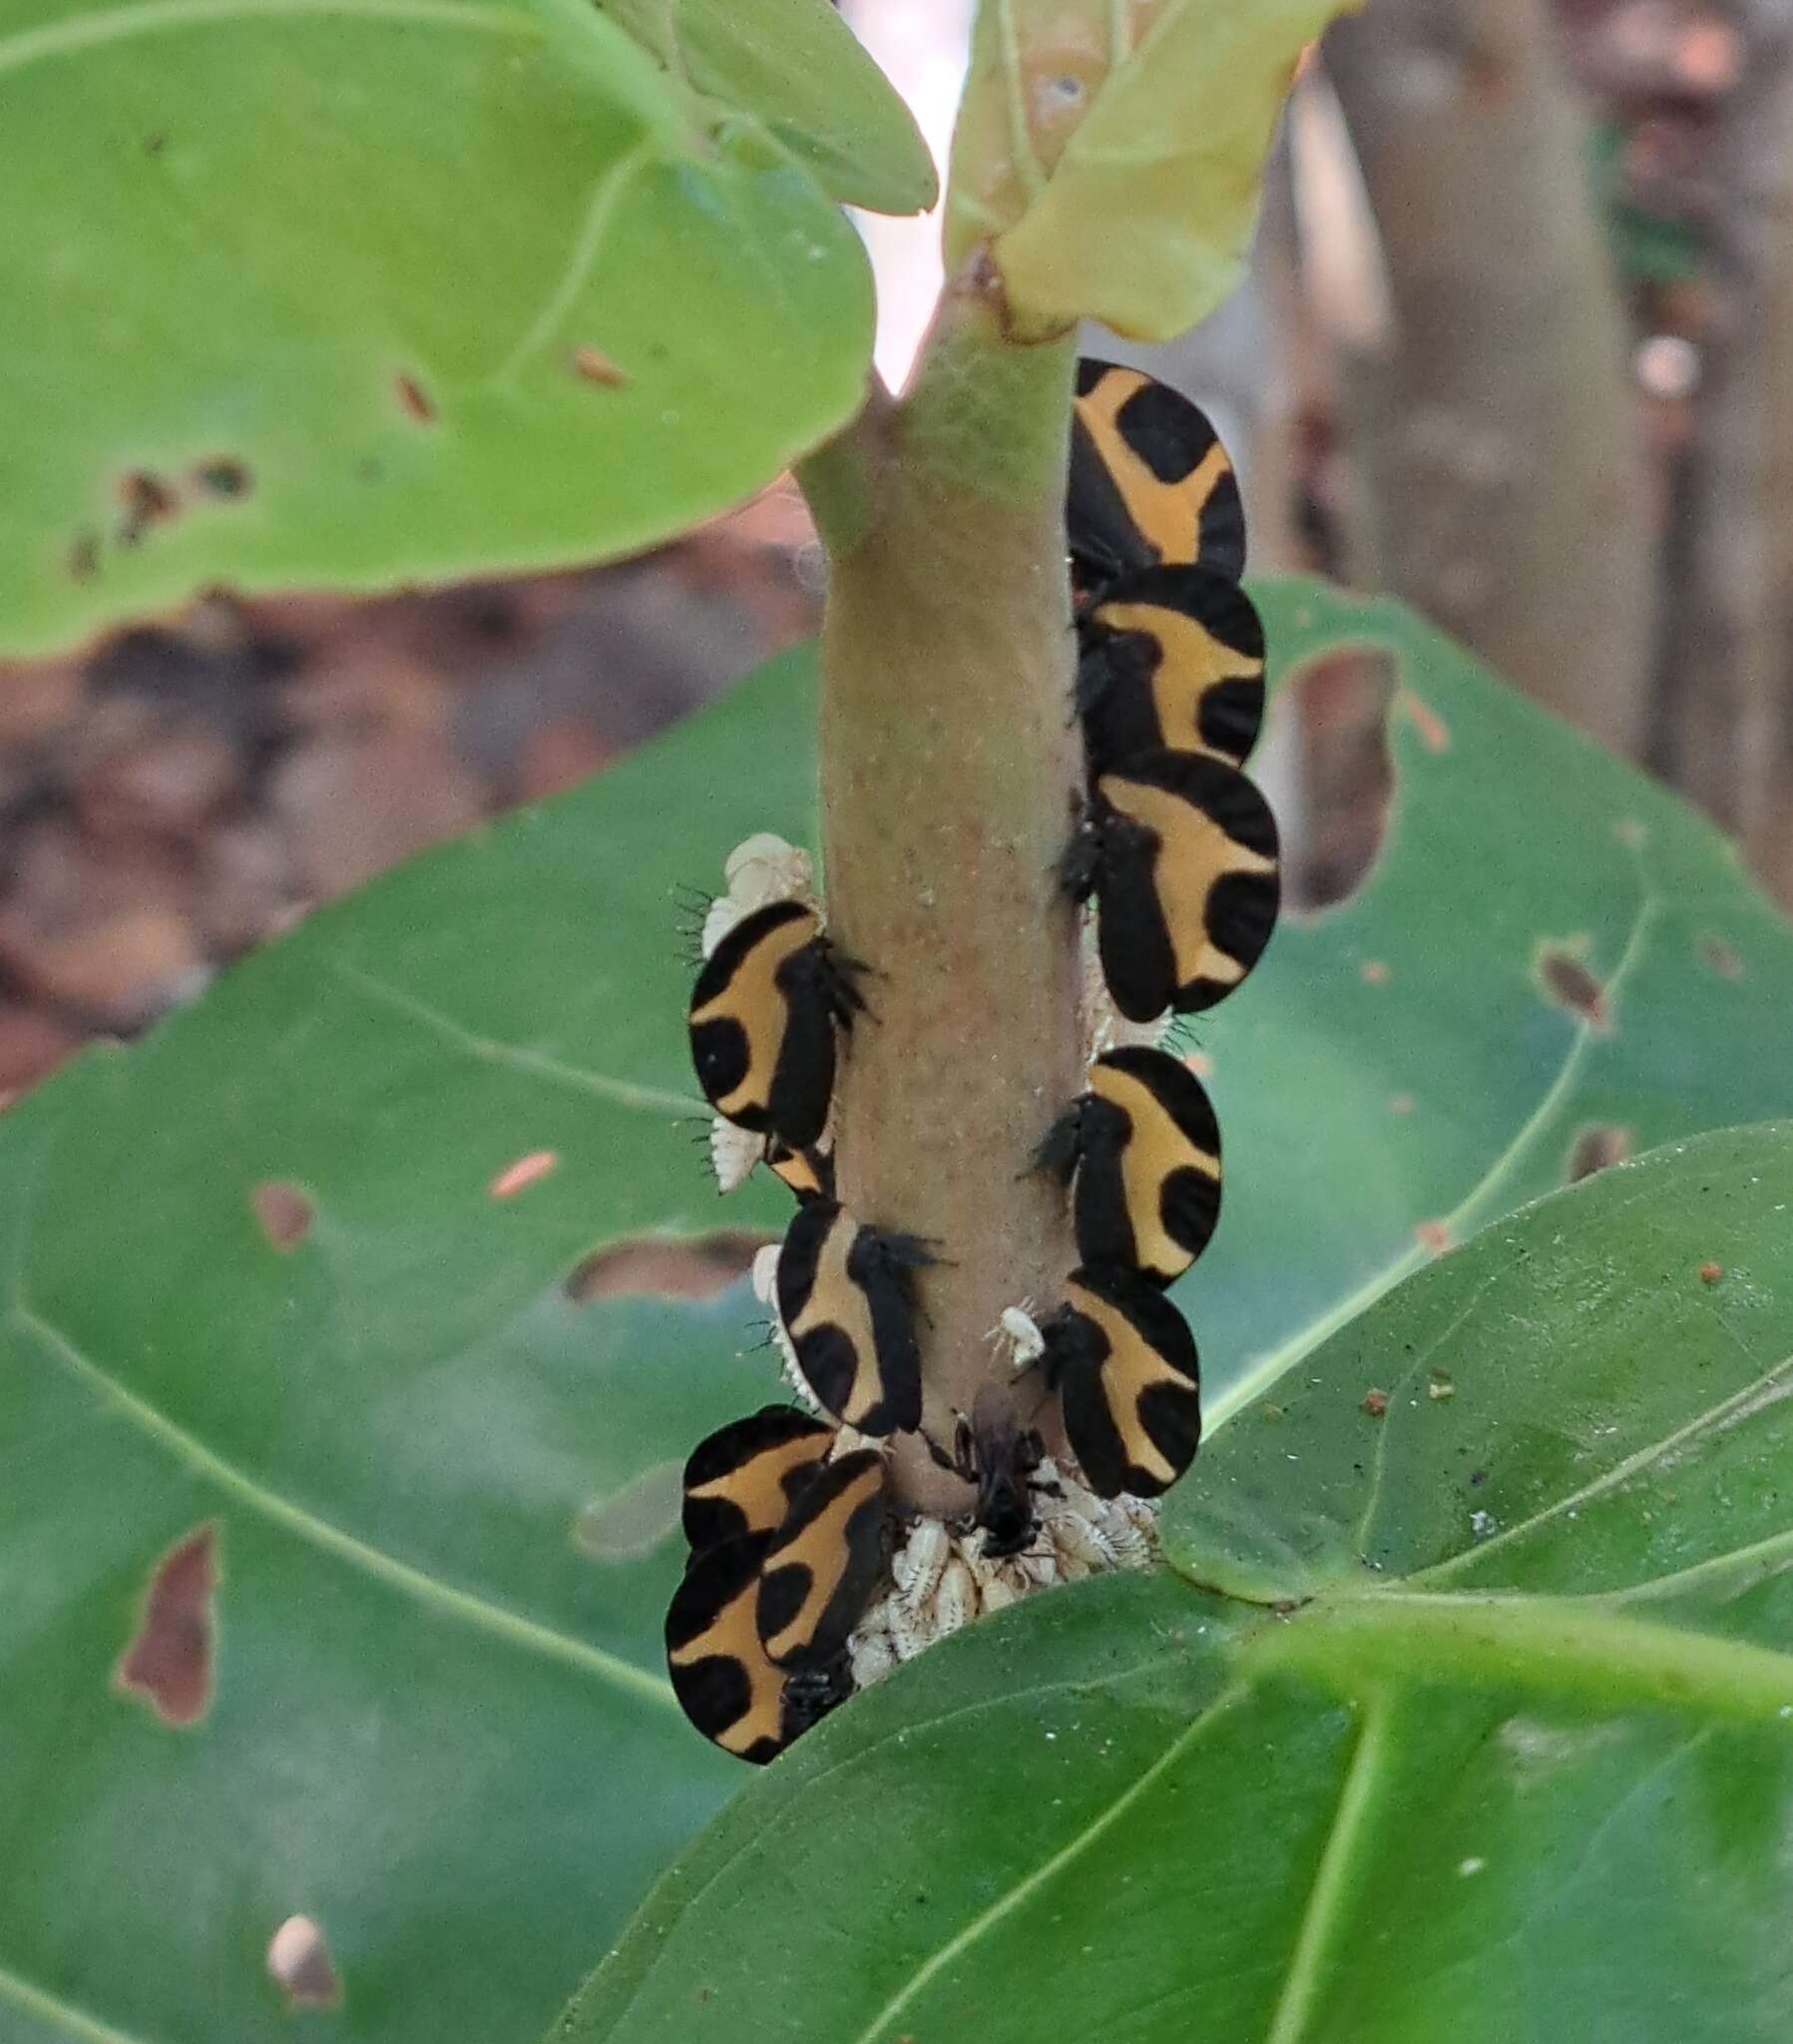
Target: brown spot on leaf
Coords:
[[1374, 972], [169, 1660], [1200, 1064], [1565, 978], [299, 1961], [1375, 1403], [697, 1267], [1434, 733], [1432, 1235], [1595, 1147], [1632, 834], [525, 1172], [284, 1212], [84, 557], [224, 476], [595, 367], [415, 401], [1399, 1103], [147, 501], [1336, 708], [1710, 1272], [1719, 957]]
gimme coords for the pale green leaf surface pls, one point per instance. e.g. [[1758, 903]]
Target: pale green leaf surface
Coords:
[[1528, 1779], [1110, 153], [437, 1725], [798, 67], [382, 290]]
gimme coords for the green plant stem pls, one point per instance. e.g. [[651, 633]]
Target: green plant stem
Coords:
[[949, 760]]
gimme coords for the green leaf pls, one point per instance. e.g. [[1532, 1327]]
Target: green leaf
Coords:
[[798, 67], [1110, 153], [312, 291], [398, 1425], [1520, 1766], [438, 1723], [1400, 1070]]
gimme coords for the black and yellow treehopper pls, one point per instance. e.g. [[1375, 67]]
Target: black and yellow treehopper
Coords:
[[1172, 659], [745, 1477], [1181, 853], [1149, 481], [762, 1020], [1144, 1148], [823, 1564], [760, 1495], [846, 1296], [1124, 1364]]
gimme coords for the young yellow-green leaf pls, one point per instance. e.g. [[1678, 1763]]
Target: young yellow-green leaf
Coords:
[[319, 293], [1110, 153], [1509, 1757], [798, 67]]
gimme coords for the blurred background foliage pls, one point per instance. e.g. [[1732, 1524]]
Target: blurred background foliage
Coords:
[[1517, 344]]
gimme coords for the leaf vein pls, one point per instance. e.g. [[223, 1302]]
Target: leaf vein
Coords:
[[1005, 1904], [623, 1092], [60, 2015], [501, 1623]]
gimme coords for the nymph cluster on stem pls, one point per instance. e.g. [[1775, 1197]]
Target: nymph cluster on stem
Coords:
[[807, 1576]]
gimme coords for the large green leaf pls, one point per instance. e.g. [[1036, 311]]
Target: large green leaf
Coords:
[[360, 291], [1403, 1068], [1517, 1764], [796, 65], [440, 1726], [1110, 151]]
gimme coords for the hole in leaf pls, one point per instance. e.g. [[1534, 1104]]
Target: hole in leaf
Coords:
[[634, 1519], [525, 1172], [1340, 705], [415, 401], [299, 1960], [284, 1212], [169, 1662], [695, 1267], [595, 367], [1565, 978], [1719, 957], [1595, 1147]]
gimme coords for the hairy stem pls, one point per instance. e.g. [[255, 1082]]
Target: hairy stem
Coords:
[[949, 767]]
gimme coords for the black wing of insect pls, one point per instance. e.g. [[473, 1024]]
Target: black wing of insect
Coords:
[[1149, 481], [1144, 1147], [745, 1477], [727, 1683], [1171, 658], [809, 1173], [762, 1021], [1123, 1362], [846, 1296], [1180, 853], [995, 1452], [823, 1563]]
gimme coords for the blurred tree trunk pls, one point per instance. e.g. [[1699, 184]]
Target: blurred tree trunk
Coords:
[[1499, 472], [1725, 723]]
